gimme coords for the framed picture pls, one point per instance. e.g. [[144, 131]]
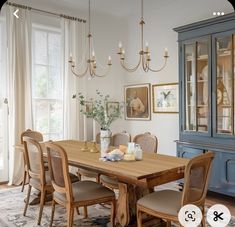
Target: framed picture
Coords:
[[112, 107], [137, 102], [165, 98], [88, 106]]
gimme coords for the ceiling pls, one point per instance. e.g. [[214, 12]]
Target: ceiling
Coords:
[[115, 7]]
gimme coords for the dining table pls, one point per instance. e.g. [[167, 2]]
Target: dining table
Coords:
[[135, 178]]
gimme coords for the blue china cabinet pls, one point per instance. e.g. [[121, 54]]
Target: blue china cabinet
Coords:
[[207, 96]]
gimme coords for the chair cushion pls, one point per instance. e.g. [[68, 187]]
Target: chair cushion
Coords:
[[87, 173], [36, 182], [86, 190], [109, 181], [165, 201]]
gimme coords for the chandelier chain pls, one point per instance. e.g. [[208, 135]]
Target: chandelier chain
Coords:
[[91, 62], [145, 54]]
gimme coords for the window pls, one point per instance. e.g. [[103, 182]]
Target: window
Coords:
[[47, 92]]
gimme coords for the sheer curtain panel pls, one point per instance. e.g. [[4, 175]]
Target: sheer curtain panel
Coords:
[[19, 92]]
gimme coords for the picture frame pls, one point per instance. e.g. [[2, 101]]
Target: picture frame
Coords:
[[111, 107], [165, 98], [137, 102], [88, 106]]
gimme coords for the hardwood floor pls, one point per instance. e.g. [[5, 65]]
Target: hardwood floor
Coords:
[[215, 198]]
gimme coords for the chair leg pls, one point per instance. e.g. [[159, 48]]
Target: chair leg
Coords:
[[42, 199], [52, 212], [203, 223], [168, 223], [24, 180], [27, 199], [113, 212], [85, 212], [139, 218], [70, 213], [78, 212]]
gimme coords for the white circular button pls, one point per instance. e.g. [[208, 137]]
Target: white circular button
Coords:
[[190, 216], [218, 216]]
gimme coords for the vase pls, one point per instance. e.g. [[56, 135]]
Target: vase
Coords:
[[105, 138]]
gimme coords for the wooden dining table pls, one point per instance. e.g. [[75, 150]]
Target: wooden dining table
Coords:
[[135, 177]]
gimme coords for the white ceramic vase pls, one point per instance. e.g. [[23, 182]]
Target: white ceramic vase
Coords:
[[105, 138]]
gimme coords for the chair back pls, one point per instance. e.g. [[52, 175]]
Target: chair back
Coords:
[[147, 142], [33, 154], [59, 169], [196, 179], [121, 138], [32, 134]]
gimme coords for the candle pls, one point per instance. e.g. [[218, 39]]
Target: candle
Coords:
[[166, 52], [147, 47], [109, 61], [120, 45], [70, 58]]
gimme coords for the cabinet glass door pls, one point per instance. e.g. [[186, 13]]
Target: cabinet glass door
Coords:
[[225, 85], [196, 86]]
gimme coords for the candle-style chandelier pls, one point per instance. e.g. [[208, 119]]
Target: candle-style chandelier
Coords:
[[91, 62], [144, 55]]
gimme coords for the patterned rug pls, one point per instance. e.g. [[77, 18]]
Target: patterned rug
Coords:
[[12, 206]]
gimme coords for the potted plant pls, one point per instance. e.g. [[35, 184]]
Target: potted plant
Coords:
[[104, 112]]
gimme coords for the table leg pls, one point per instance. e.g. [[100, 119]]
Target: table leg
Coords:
[[126, 205]]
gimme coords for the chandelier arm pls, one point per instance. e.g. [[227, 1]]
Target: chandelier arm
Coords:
[[77, 74], [158, 70], [130, 69], [105, 74]]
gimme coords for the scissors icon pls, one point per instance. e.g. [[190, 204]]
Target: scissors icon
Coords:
[[218, 216]]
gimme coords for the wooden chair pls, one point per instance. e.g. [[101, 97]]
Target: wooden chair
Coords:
[[117, 139], [36, 136], [167, 203], [38, 177], [147, 142], [82, 193]]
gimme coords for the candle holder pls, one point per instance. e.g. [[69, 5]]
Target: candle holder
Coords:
[[85, 147], [94, 148]]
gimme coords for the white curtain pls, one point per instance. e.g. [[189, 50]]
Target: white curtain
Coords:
[[19, 91], [73, 43]]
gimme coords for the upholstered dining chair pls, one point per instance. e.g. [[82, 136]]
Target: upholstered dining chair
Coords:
[[147, 142], [166, 204], [36, 136], [121, 138], [82, 193], [38, 177]]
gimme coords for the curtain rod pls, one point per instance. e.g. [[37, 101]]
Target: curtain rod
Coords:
[[47, 12]]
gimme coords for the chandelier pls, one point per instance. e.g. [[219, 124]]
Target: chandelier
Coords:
[[91, 61], [144, 54]]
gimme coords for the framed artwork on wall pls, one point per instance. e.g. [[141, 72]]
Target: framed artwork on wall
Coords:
[[112, 108], [165, 98], [137, 102]]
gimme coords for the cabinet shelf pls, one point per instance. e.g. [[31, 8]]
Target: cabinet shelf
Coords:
[[207, 116]]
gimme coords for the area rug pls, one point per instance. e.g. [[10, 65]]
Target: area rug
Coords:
[[12, 206]]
